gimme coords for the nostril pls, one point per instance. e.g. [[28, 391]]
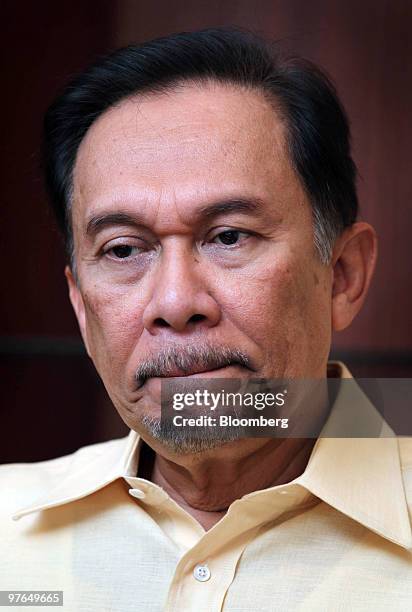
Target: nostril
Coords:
[[196, 318], [180, 322], [161, 323]]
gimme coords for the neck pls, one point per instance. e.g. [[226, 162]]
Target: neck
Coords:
[[206, 485]]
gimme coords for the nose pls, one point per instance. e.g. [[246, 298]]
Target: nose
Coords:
[[180, 300]]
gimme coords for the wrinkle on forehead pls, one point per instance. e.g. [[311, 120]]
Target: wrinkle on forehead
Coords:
[[196, 138], [193, 118]]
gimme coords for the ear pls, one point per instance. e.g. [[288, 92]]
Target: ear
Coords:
[[78, 305], [353, 261]]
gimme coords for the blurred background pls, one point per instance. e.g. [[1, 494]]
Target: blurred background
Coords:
[[52, 400]]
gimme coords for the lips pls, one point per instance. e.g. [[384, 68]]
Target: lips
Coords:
[[193, 371], [196, 372]]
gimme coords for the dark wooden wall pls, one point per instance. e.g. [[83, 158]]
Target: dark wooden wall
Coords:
[[51, 399]]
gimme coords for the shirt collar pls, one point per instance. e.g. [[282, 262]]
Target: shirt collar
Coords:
[[91, 468], [360, 477]]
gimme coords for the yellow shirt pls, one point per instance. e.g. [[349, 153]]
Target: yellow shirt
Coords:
[[338, 537]]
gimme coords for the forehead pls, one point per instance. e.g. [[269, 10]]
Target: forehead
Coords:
[[195, 142]]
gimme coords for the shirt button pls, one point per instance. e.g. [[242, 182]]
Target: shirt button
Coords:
[[138, 493], [201, 573]]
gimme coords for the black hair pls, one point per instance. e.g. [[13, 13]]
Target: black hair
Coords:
[[317, 129]]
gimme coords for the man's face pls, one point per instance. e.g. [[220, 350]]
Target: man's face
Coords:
[[193, 237]]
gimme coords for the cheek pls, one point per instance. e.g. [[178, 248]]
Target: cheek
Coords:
[[113, 323], [285, 309]]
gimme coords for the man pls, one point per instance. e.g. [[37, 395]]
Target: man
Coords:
[[207, 195]]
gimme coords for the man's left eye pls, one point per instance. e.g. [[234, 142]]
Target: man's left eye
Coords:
[[122, 251], [230, 237]]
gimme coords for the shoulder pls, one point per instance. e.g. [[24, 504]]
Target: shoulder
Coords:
[[405, 454], [405, 451]]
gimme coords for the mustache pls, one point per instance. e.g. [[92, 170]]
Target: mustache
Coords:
[[189, 359]]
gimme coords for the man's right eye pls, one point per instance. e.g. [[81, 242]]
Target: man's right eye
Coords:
[[122, 251]]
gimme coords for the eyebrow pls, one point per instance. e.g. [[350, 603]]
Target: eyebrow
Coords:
[[243, 205], [99, 222], [237, 205]]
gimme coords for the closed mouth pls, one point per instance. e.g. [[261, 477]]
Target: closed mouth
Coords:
[[193, 372]]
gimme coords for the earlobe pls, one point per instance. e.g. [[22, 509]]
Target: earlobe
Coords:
[[76, 300], [353, 263]]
